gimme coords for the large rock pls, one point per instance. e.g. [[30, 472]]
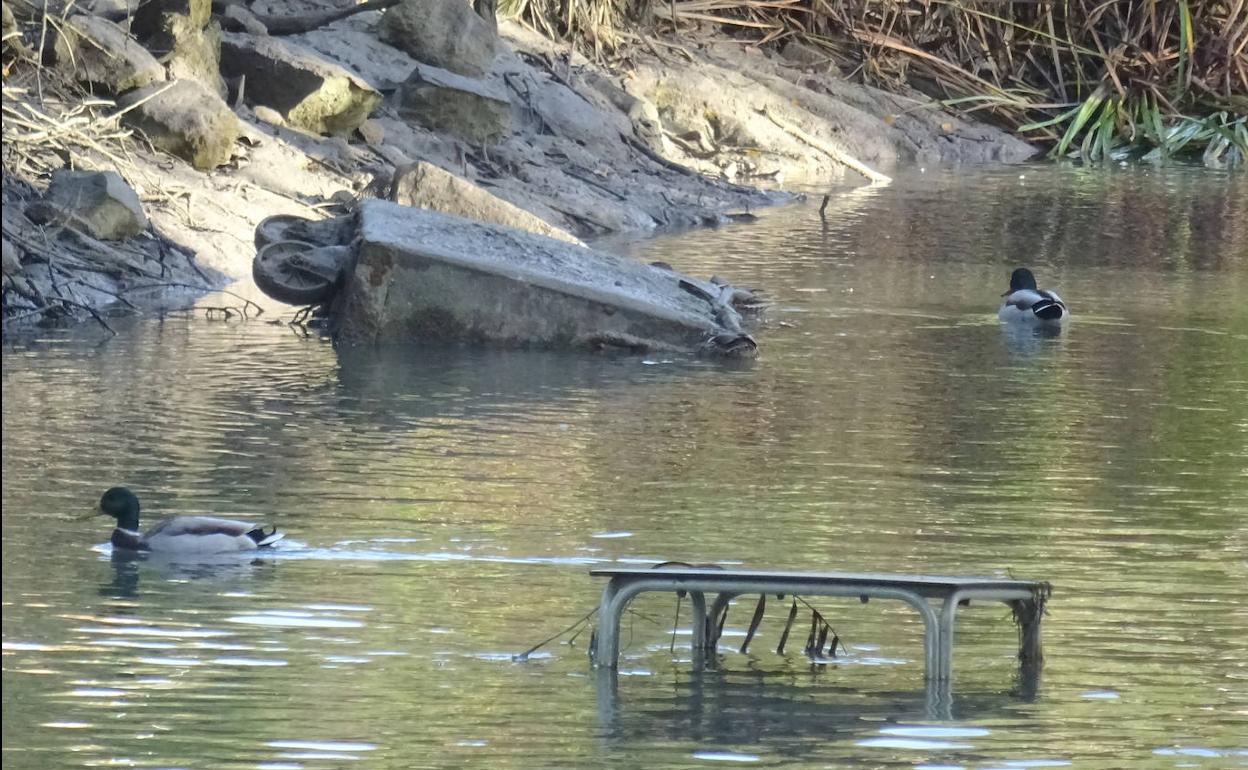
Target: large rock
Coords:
[[181, 34], [98, 51], [10, 28], [13, 46], [473, 110], [239, 19], [444, 33], [190, 51], [99, 202], [427, 278], [150, 18], [113, 10], [426, 186], [186, 120], [307, 90], [196, 55]]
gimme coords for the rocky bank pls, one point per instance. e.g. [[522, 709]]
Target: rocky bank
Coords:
[[200, 120]]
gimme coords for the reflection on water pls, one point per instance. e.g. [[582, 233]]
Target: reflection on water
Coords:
[[444, 507]]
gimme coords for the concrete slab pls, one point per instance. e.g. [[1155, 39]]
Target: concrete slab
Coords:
[[425, 277]]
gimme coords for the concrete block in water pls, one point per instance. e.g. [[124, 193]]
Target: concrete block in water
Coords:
[[426, 277]]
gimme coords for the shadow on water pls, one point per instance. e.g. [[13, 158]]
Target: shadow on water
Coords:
[[129, 569], [1026, 342], [484, 378], [795, 709], [125, 582]]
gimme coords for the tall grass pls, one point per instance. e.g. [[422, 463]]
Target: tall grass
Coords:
[[1099, 79]]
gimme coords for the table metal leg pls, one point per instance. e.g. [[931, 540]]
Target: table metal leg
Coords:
[[609, 626], [1028, 614], [608, 697], [937, 699], [948, 615], [699, 621]]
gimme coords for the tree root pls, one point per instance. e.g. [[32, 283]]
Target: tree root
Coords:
[[306, 22]]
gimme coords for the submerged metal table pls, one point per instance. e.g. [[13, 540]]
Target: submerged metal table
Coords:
[[1025, 597]]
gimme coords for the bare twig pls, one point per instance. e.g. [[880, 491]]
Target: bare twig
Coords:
[[306, 22], [247, 304], [832, 151], [524, 656], [90, 311]]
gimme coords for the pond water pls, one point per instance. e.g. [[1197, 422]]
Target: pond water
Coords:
[[443, 509]]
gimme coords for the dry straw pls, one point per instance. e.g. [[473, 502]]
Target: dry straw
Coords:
[[1101, 79]]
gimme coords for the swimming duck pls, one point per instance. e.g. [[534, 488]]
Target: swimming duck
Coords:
[[1024, 303], [180, 534]]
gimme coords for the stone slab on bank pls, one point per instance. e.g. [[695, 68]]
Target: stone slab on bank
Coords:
[[422, 276]]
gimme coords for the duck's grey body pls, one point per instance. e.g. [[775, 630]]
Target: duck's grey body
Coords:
[[196, 534], [1025, 303], [180, 534]]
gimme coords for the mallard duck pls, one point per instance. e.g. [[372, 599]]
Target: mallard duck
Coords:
[[180, 534], [1024, 303]]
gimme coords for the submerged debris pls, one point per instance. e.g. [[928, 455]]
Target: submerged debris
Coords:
[[389, 273], [1027, 616]]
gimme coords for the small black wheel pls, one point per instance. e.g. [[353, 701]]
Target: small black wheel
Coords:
[[272, 229], [278, 271]]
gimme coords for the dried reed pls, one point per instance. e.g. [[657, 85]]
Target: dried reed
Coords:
[[1100, 79]]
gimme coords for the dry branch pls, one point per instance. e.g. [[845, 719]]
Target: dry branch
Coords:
[[295, 24], [837, 154]]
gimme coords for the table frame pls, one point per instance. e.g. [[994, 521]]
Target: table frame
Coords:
[[1025, 597]]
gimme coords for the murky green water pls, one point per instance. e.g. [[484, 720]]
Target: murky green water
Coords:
[[444, 509]]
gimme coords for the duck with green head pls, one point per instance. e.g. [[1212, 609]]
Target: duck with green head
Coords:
[[180, 534], [1025, 303]]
